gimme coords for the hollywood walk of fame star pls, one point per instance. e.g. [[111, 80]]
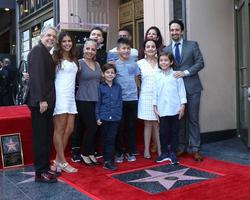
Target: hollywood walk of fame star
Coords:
[[167, 179], [32, 178], [12, 146]]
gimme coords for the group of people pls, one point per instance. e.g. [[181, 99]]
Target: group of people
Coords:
[[159, 85]]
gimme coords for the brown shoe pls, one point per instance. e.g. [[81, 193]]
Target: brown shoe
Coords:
[[180, 153], [197, 157]]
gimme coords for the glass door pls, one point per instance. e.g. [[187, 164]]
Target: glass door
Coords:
[[243, 68]]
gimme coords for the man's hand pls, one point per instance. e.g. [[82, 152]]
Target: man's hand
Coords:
[[179, 74], [43, 106]]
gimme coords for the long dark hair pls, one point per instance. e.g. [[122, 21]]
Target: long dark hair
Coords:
[[58, 52], [159, 42]]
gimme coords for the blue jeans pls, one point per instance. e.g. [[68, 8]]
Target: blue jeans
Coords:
[[109, 131], [169, 128]]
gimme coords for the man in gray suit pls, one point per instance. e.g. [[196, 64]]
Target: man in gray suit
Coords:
[[189, 62]]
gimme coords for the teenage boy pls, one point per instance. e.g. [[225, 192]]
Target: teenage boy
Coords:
[[113, 53], [97, 34], [128, 77]]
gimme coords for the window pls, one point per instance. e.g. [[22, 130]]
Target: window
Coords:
[[179, 11]]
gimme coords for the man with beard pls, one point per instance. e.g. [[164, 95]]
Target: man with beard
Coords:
[[189, 62]]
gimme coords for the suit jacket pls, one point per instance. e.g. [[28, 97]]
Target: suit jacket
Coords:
[[191, 60], [42, 77]]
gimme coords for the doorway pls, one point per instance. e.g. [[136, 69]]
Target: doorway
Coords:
[[243, 68], [131, 18]]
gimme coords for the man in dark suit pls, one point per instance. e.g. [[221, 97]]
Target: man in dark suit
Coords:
[[189, 62], [41, 100]]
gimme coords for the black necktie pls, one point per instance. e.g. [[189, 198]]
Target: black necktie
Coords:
[[177, 52]]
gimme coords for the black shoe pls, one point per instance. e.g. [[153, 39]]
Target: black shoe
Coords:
[[108, 165], [55, 173], [76, 154], [45, 177], [163, 157], [174, 159]]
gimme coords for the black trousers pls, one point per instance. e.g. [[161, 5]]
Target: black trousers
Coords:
[[42, 126], [85, 127], [109, 131], [169, 129], [126, 137], [76, 136]]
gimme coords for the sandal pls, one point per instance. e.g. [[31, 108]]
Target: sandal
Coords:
[[67, 167], [147, 155], [55, 168]]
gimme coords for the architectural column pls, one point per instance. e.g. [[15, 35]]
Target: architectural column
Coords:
[[158, 13]]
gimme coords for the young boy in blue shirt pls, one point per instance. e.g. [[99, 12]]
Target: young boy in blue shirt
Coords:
[[109, 112], [128, 77]]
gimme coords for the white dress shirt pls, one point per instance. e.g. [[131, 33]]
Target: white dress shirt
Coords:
[[169, 93]]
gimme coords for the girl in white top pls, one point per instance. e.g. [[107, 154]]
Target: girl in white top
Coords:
[[65, 107], [169, 97], [148, 67]]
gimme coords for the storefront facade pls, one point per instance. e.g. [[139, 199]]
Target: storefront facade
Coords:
[[220, 27]]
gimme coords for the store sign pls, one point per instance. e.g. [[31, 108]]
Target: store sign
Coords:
[[35, 32], [49, 22]]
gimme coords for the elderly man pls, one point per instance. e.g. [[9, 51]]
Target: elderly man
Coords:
[[41, 99]]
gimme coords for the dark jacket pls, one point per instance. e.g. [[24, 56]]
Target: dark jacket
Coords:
[[101, 56], [42, 77]]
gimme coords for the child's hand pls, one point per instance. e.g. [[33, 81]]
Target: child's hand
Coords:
[[181, 111], [98, 122]]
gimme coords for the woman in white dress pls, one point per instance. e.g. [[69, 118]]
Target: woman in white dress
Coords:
[[65, 106], [148, 67]]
